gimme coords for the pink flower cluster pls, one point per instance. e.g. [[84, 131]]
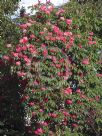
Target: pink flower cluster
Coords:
[[85, 61], [46, 9], [38, 131], [24, 40], [68, 21], [60, 12], [68, 91]]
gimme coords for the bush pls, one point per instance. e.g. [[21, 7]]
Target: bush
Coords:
[[57, 66]]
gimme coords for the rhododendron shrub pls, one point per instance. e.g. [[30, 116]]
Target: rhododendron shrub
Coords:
[[59, 65]]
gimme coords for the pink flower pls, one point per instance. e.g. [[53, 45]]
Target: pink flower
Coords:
[[90, 42], [79, 102], [90, 38], [66, 113], [78, 91], [36, 83], [58, 66], [18, 48], [94, 42], [66, 77], [45, 53], [69, 102], [43, 8], [28, 64], [71, 40], [41, 110], [61, 11], [26, 59], [68, 46], [52, 38], [67, 33], [80, 46], [31, 103], [61, 60], [41, 33], [32, 36], [28, 24], [5, 57], [68, 21], [47, 12], [68, 91], [85, 61], [43, 88], [15, 54], [24, 31], [54, 59], [24, 48], [59, 73], [62, 18], [24, 98], [18, 63], [24, 40], [20, 55], [75, 125], [20, 74], [99, 75], [44, 123], [33, 114], [63, 39], [33, 91], [56, 29], [39, 131], [53, 115], [23, 26], [43, 45], [97, 98], [91, 33], [83, 96]]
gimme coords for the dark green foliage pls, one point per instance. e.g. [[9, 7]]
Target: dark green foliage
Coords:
[[87, 16], [11, 112], [8, 6], [9, 32]]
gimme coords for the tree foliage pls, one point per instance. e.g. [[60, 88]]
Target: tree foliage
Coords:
[[88, 15], [55, 68], [8, 6], [8, 30]]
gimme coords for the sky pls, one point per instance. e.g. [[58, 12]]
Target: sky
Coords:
[[27, 3]]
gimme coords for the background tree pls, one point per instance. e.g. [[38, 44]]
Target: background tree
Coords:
[[9, 123], [8, 6], [22, 12], [8, 30]]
